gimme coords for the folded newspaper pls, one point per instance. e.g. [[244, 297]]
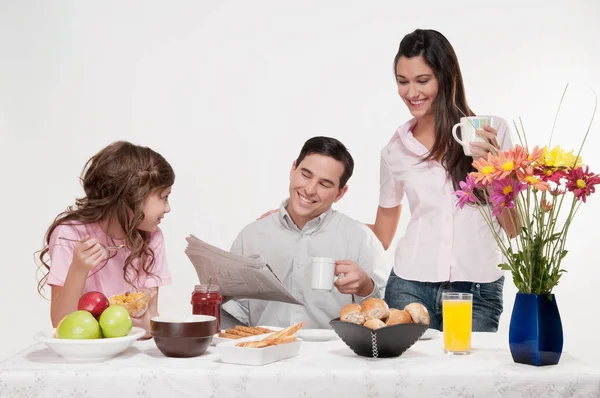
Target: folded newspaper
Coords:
[[237, 276]]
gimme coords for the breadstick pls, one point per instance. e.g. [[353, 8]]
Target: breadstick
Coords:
[[238, 332], [285, 332], [229, 336], [253, 344], [263, 330], [283, 340], [252, 330], [283, 336]]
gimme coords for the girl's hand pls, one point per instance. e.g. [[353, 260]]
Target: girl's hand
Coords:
[[144, 323], [480, 149], [152, 311], [88, 254]]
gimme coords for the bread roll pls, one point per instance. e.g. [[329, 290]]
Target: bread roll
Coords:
[[418, 313], [375, 308], [374, 323], [398, 317], [352, 313]]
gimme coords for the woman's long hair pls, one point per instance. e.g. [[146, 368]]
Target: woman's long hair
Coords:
[[115, 182], [438, 54]]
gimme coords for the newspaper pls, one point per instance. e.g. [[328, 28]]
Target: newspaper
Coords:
[[237, 276]]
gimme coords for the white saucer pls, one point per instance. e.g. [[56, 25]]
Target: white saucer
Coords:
[[430, 334], [316, 334]]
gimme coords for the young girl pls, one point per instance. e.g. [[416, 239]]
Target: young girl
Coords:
[[127, 191], [445, 248]]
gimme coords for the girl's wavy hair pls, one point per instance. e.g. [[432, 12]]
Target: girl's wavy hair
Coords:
[[116, 181], [451, 100]]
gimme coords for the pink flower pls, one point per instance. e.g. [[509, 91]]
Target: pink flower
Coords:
[[509, 186], [500, 203], [581, 183], [465, 193], [546, 174], [504, 194]]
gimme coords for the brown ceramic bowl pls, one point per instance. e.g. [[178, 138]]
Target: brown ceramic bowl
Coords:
[[185, 337]]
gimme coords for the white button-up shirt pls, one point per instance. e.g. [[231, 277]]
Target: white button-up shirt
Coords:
[[288, 251], [442, 242]]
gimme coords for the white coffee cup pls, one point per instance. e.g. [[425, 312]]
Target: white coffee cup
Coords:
[[468, 131], [322, 273]]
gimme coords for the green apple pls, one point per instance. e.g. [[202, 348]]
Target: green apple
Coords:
[[78, 325], [115, 321]]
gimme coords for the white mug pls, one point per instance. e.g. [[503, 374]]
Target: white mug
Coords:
[[468, 131], [322, 273]]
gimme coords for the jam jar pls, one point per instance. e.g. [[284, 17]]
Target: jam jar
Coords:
[[206, 300]]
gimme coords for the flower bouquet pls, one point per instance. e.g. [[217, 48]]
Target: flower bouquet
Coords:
[[538, 192]]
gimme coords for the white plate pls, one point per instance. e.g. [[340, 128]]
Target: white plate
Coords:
[[81, 350], [317, 334], [430, 334], [256, 356]]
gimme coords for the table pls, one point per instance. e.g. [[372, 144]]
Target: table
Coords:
[[320, 370]]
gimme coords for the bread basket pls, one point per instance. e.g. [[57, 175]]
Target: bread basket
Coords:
[[385, 342]]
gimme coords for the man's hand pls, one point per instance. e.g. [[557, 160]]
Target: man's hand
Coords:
[[354, 279]]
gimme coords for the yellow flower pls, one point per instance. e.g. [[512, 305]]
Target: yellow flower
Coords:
[[558, 158]]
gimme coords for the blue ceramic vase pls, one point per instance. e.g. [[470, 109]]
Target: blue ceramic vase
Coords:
[[535, 335]]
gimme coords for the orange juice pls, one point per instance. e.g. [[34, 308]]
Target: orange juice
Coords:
[[457, 316]]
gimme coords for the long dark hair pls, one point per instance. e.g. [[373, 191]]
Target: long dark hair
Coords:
[[438, 54], [116, 181]]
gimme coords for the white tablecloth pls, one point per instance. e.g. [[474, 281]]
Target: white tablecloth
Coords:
[[320, 370]]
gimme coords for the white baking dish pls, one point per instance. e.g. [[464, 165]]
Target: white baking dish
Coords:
[[256, 356]]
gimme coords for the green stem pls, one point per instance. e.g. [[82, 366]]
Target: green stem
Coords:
[[563, 237], [589, 126], [557, 112]]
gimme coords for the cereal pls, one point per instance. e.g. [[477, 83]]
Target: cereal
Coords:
[[134, 302]]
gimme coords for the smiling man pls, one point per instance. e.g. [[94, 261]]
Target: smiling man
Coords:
[[304, 227]]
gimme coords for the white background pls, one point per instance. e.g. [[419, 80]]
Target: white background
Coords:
[[229, 91]]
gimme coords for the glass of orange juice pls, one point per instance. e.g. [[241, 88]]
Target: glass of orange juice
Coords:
[[457, 315]]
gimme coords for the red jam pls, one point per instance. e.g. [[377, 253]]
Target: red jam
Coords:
[[207, 301]]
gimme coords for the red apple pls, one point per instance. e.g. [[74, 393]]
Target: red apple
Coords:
[[93, 302]]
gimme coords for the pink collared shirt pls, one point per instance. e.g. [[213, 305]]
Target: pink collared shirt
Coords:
[[442, 242], [107, 278]]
